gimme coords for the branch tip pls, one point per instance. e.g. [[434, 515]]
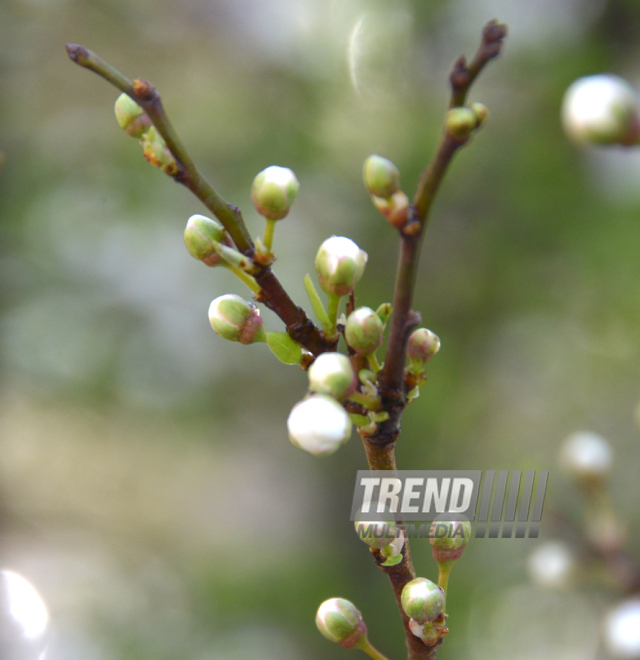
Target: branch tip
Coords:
[[75, 52]]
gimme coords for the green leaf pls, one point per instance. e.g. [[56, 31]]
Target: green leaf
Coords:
[[392, 561], [359, 420], [284, 348], [316, 303]]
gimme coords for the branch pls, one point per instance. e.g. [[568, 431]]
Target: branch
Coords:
[[380, 445], [463, 75], [147, 97]]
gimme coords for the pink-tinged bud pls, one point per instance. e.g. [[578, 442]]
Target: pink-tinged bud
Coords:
[[381, 176], [339, 620], [364, 331], [332, 374], [130, 116], [274, 191], [422, 600], [201, 236], [157, 153], [340, 264], [423, 344], [601, 109], [236, 319], [448, 545], [319, 425]]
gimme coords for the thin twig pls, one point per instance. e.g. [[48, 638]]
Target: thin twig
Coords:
[[380, 445], [148, 98]]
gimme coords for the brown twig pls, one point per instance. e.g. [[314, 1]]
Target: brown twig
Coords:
[[148, 98], [380, 445]]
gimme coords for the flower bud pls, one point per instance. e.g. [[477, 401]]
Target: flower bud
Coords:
[[395, 209], [422, 600], [423, 344], [319, 425], [481, 112], [236, 319], [552, 565], [378, 534], [274, 191], [200, 237], [622, 630], [332, 374], [157, 152], [587, 457], [448, 547], [602, 109], [461, 121], [340, 621], [130, 116], [364, 331], [381, 176], [340, 264]]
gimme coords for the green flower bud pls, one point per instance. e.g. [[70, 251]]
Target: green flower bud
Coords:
[[378, 534], [236, 319], [340, 264], [461, 121], [274, 191], [381, 176], [601, 109], [130, 116], [332, 374], [422, 600], [157, 153], [340, 621], [481, 111], [448, 539], [201, 235], [587, 457], [319, 425], [364, 331], [423, 344]]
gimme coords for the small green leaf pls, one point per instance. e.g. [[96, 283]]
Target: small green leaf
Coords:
[[284, 348], [359, 420], [316, 303], [384, 312], [392, 561]]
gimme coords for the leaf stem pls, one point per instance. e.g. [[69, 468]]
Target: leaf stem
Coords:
[[269, 229], [247, 279], [366, 646]]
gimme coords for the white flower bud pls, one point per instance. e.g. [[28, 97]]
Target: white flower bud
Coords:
[[332, 374], [601, 109], [622, 630], [274, 191], [552, 565], [340, 264], [587, 457], [236, 319], [339, 620], [319, 425]]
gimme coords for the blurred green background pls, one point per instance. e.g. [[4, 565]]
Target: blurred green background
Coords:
[[147, 486]]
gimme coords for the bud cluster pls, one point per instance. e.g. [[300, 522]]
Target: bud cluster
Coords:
[[382, 179], [133, 119]]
